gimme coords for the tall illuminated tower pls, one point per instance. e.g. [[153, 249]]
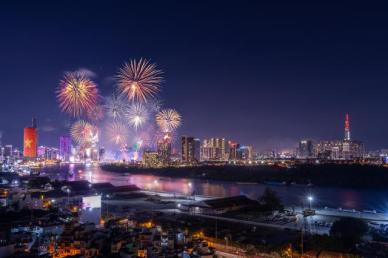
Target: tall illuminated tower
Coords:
[[347, 128], [30, 141]]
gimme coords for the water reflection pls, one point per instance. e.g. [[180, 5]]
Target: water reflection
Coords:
[[330, 197]]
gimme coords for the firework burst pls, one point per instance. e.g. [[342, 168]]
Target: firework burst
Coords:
[[137, 115], [168, 120], [96, 113], [115, 107], [117, 133], [82, 132], [155, 106], [139, 80], [77, 94]]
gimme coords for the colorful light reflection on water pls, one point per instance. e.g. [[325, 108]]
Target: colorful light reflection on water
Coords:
[[330, 197]]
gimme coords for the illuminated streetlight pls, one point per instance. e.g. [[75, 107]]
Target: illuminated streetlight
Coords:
[[310, 199], [68, 195]]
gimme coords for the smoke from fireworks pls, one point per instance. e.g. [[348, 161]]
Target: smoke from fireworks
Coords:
[[115, 107], [77, 94], [117, 133], [82, 132], [137, 115], [139, 80], [168, 120]]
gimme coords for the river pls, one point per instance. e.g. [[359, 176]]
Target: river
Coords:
[[290, 195]]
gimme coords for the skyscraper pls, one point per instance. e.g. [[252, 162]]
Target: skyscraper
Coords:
[[150, 159], [189, 150], [234, 151], [347, 128], [197, 149], [213, 149], [64, 148], [30, 141], [305, 149], [345, 149], [164, 150], [245, 152]]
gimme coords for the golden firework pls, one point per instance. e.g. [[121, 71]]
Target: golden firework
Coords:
[[83, 132], [168, 120], [77, 94], [139, 80]]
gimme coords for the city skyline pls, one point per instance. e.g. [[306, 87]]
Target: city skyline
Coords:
[[285, 92], [291, 149]]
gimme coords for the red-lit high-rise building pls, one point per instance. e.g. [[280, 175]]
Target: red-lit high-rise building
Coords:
[[30, 142]]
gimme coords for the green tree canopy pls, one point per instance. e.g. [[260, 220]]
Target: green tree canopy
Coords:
[[349, 230], [270, 200]]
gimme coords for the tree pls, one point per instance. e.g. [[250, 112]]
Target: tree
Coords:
[[349, 231], [271, 201]]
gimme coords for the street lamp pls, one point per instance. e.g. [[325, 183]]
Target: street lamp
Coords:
[[310, 199], [68, 195]]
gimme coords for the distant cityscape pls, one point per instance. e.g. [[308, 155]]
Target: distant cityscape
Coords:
[[193, 151]]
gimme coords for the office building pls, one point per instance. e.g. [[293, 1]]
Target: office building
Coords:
[[47, 153], [7, 150], [189, 151], [213, 149], [234, 151], [64, 148], [164, 150], [305, 149], [151, 159], [245, 152], [197, 150]]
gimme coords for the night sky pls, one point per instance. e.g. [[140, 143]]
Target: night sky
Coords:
[[261, 74]]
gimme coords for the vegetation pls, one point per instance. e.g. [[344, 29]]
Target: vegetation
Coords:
[[270, 201], [348, 231]]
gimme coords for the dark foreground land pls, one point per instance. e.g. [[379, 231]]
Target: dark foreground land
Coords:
[[331, 175]]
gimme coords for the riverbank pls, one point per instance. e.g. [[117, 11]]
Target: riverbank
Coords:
[[325, 175]]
